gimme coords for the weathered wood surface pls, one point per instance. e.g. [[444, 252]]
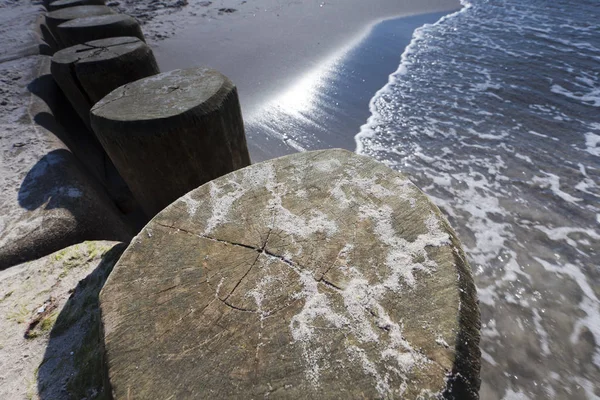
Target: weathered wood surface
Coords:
[[317, 275], [60, 4], [88, 72], [55, 18], [82, 30], [171, 133]]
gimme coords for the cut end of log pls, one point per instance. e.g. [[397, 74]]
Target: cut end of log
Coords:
[[55, 18], [166, 95], [318, 275], [87, 72], [172, 132], [105, 49], [96, 50], [83, 30]]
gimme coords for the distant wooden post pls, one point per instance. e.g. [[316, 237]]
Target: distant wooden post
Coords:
[[60, 4], [55, 18], [320, 275], [170, 133], [88, 72], [82, 30]]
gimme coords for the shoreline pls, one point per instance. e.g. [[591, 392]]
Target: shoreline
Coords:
[[364, 131], [263, 49], [272, 52], [327, 106]]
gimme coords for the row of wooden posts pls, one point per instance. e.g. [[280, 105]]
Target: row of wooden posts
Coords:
[[169, 133], [165, 133]]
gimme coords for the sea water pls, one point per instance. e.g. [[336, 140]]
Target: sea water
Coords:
[[495, 113]]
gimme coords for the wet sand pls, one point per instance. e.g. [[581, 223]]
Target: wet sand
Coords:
[[327, 105]]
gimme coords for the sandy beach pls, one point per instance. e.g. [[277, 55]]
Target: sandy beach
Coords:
[[498, 126]]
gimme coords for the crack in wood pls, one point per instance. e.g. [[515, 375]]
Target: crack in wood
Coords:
[[264, 246], [209, 237], [105, 103], [167, 289], [75, 79], [263, 250], [242, 278], [330, 267], [330, 284], [235, 307]]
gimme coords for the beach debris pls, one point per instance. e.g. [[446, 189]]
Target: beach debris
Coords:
[[226, 11]]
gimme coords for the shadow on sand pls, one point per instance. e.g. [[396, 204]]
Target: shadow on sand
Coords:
[[59, 118], [72, 367], [56, 115], [42, 183]]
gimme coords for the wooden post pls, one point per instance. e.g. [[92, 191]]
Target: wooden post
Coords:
[[320, 275], [55, 18], [60, 4], [82, 30], [88, 72], [170, 133]]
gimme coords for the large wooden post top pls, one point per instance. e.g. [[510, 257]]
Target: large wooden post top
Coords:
[[317, 275]]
